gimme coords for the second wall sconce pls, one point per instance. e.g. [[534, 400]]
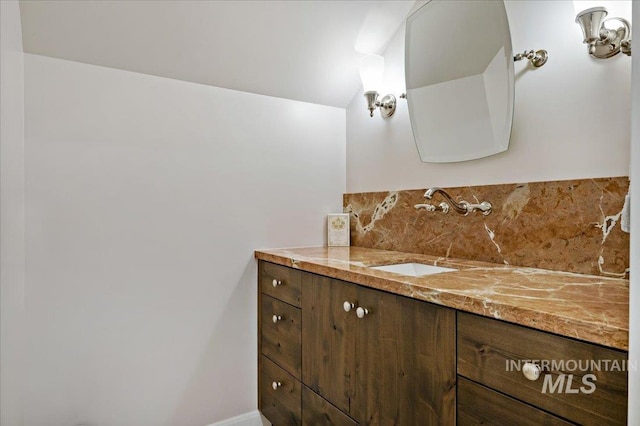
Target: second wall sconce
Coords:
[[371, 71], [604, 42]]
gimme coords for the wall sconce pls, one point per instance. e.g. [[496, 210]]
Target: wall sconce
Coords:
[[604, 42], [371, 71]]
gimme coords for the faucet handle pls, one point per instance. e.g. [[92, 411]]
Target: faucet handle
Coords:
[[484, 207], [427, 207], [442, 207]]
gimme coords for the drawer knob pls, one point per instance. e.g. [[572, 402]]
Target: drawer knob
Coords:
[[531, 371], [348, 306], [276, 282], [276, 385], [276, 318], [361, 312]]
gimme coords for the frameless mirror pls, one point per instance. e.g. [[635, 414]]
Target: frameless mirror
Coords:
[[460, 79]]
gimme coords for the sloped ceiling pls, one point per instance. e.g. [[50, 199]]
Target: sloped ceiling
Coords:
[[301, 50]]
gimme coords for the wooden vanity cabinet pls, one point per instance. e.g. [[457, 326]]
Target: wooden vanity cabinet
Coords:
[[337, 353], [321, 363], [392, 364]]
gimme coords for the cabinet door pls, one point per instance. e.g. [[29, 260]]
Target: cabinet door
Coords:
[[280, 282], [318, 412], [280, 336], [328, 336], [478, 405], [280, 393], [491, 352], [405, 362]]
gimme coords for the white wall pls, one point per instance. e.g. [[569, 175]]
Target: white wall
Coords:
[[12, 256], [145, 200], [634, 286], [571, 116]]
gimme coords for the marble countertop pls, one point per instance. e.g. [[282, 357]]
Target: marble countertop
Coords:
[[586, 307]]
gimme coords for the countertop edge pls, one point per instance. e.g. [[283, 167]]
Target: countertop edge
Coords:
[[584, 330]]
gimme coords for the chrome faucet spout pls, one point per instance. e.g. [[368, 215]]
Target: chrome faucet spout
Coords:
[[460, 208], [431, 191]]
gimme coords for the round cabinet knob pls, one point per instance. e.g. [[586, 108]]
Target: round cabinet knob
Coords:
[[531, 371], [276, 385], [361, 312], [276, 282], [348, 306], [276, 318]]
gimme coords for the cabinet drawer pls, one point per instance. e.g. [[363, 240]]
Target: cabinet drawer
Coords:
[[281, 282], [318, 412], [280, 395], [281, 332], [478, 405], [570, 385]]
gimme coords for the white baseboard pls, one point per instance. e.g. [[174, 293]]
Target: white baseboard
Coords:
[[252, 418]]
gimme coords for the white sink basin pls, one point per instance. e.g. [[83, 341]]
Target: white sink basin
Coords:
[[413, 269]]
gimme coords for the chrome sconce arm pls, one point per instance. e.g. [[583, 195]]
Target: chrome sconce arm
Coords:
[[387, 103], [604, 42], [537, 58]]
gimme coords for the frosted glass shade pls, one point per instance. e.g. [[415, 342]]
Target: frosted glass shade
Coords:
[[371, 71]]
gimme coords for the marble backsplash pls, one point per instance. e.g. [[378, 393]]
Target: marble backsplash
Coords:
[[569, 225]]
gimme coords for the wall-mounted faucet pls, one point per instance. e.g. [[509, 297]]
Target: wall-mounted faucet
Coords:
[[463, 207]]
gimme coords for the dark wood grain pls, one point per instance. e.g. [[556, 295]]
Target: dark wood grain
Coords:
[[317, 411], [485, 347], [291, 279], [405, 362], [281, 340], [282, 406], [328, 338], [478, 405]]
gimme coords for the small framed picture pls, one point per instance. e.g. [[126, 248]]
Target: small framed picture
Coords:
[[338, 230]]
